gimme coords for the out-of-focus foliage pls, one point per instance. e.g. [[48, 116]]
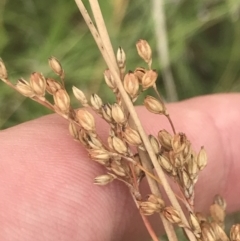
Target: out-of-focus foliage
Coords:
[[203, 43]]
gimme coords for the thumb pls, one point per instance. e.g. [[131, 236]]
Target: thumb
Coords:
[[46, 178]]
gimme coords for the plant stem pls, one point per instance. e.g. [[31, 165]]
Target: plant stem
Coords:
[[163, 49], [97, 13]]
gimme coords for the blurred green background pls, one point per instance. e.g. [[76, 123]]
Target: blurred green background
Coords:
[[203, 41]]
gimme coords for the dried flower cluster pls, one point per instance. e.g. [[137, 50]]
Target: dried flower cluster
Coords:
[[124, 152]]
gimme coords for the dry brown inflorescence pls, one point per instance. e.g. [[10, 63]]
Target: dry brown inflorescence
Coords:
[[127, 155]]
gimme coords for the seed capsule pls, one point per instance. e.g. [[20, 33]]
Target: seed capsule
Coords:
[[96, 101], [38, 83], [202, 158], [56, 66], [104, 179], [149, 79], [118, 114], [131, 84], [62, 100], [24, 88], [165, 139], [235, 232], [121, 58], [131, 136], [109, 80], [86, 120], [119, 146], [144, 51], [80, 96], [153, 105], [172, 215], [52, 86]]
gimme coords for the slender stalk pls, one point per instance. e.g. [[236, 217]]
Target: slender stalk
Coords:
[[97, 13], [163, 49], [155, 190], [167, 115], [135, 118]]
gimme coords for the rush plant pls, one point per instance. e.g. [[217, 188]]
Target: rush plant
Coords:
[[129, 155]]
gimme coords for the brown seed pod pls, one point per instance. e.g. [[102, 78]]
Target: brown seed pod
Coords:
[[153, 105], [86, 120], [62, 100], [131, 84], [80, 96], [56, 66], [38, 83], [235, 232], [24, 88], [52, 86], [149, 79], [144, 51], [118, 114], [172, 215]]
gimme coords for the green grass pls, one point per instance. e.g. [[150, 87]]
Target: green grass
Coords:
[[203, 44]]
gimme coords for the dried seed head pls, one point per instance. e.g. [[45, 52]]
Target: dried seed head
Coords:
[[104, 179], [62, 100], [56, 66], [156, 200], [131, 84], [99, 154], [86, 120], [153, 105], [172, 215], [80, 96], [193, 221], [220, 201], [96, 102], [149, 208], [165, 139], [24, 88], [154, 144], [119, 146], [73, 130], [120, 169], [165, 163], [121, 58], [38, 83], [131, 136], [235, 232], [202, 158], [149, 79], [93, 141], [192, 168], [178, 142], [139, 173], [3, 70], [144, 51], [207, 233], [118, 114], [185, 179], [219, 232], [52, 86], [217, 213], [107, 112], [109, 80], [139, 73]]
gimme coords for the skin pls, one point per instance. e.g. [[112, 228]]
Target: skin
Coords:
[[46, 190]]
